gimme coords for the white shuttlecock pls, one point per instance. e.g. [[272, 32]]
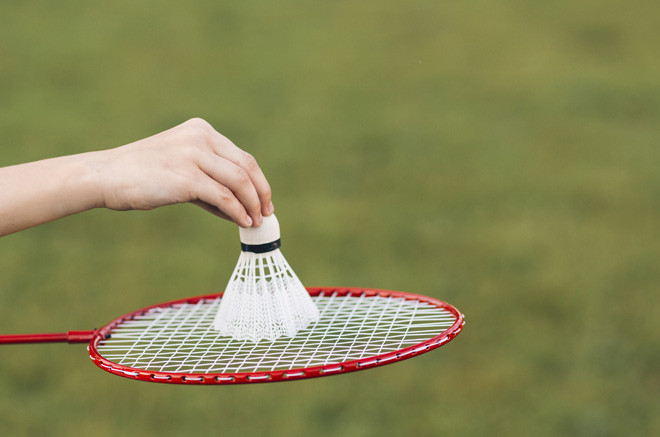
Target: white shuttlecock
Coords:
[[264, 298]]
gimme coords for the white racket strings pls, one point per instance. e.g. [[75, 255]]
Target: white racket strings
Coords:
[[182, 338]]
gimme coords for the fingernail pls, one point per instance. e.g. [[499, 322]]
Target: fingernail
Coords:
[[260, 220], [271, 208], [249, 221]]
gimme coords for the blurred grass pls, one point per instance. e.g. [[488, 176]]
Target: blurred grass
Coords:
[[502, 156]]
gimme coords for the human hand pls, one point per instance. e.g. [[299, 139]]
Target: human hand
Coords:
[[191, 162]]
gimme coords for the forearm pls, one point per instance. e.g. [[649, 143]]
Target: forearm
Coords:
[[38, 192]]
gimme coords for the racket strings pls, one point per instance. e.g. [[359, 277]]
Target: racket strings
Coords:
[[180, 338]]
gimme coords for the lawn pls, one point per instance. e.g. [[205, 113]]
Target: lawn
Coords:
[[501, 156]]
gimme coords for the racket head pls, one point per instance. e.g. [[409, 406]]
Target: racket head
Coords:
[[127, 348]]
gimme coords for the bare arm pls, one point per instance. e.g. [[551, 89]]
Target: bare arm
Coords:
[[188, 163]]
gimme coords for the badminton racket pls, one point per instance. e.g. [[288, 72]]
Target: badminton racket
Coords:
[[175, 342]]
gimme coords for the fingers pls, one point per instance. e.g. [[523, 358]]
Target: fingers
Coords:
[[220, 201], [212, 209], [236, 179], [226, 149], [232, 171]]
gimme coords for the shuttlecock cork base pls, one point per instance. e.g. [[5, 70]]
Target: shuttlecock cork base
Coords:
[[264, 299]]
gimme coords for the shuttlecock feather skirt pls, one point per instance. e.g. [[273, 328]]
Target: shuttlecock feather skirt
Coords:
[[264, 300]]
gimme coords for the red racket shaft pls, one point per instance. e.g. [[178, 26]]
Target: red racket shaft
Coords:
[[61, 337]]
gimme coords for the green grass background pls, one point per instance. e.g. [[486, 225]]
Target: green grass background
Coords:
[[500, 155]]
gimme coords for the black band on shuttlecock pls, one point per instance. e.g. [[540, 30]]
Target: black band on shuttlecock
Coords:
[[261, 248]]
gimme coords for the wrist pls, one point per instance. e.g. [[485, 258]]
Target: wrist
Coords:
[[86, 179]]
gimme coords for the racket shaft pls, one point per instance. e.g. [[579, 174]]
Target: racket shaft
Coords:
[[61, 337]]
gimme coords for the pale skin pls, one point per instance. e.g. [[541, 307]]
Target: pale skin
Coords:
[[191, 162]]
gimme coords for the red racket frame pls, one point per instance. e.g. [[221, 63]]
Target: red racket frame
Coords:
[[98, 335]]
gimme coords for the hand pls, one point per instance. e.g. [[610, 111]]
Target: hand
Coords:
[[191, 162]]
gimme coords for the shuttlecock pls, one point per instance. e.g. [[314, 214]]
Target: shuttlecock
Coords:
[[264, 298]]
